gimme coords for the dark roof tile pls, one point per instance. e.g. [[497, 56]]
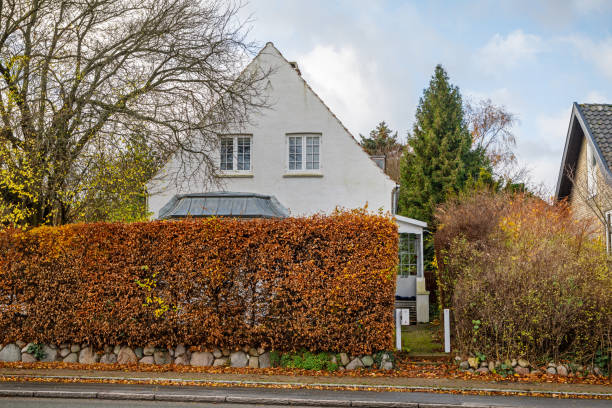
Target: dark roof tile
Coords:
[[599, 121]]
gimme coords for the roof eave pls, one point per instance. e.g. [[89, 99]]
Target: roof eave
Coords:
[[603, 164], [412, 221], [565, 151], [578, 115]]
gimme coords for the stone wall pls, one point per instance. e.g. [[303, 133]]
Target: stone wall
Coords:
[[179, 355], [523, 367]]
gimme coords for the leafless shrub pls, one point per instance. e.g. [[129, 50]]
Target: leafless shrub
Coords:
[[523, 278]]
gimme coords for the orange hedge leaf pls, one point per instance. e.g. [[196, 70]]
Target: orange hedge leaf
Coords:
[[320, 283]]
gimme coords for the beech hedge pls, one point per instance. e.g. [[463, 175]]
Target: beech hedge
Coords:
[[322, 283]]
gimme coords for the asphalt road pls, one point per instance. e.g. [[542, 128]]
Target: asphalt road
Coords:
[[350, 398], [64, 403]]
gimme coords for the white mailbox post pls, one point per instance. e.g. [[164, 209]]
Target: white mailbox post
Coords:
[[402, 318]]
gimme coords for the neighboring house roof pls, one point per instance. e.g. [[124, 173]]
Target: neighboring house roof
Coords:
[[599, 121], [223, 204], [593, 123]]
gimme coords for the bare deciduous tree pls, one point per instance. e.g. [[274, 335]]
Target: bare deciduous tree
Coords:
[[78, 77], [491, 128]]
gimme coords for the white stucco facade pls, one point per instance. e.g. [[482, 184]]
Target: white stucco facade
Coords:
[[346, 176]]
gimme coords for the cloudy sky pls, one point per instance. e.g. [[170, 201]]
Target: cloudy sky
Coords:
[[370, 60]]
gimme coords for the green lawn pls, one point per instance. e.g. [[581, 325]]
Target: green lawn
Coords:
[[421, 339]]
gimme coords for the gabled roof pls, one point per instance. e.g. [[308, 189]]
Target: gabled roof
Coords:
[[592, 123], [270, 46], [599, 121], [223, 204]]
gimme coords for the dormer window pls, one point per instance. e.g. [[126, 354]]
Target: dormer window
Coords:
[[591, 171]]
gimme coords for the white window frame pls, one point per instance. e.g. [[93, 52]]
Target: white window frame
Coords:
[[408, 253], [234, 170], [303, 170], [591, 171]]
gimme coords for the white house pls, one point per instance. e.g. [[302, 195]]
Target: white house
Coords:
[[297, 158]]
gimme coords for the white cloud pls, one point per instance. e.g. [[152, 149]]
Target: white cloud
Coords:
[[504, 53], [599, 53], [590, 6], [539, 139], [373, 63], [500, 96], [552, 128], [595, 97], [542, 149], [347, 82]]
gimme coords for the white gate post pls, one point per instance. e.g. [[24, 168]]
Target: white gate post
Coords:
[[398, 329], [447, 331]]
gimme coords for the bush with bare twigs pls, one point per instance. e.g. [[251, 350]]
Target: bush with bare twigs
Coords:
[[523, 278]]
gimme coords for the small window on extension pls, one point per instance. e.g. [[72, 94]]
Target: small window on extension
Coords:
[[407, 255]]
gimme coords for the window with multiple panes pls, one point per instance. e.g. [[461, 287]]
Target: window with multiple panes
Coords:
[[244, 153], [304, 152], [227, 153], [235, 153], [295, 153], [407, 255]]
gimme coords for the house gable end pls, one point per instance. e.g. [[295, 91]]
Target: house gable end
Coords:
[[344, 175], [579, 131], [270, 49]]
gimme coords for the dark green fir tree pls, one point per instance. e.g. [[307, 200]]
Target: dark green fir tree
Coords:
[[439, 160], [382, 140]]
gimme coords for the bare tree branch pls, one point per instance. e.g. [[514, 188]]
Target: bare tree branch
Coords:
[[77, 76], [491, 128], [597, 203]]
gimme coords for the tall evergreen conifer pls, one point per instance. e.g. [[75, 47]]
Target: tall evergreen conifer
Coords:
[[439, 160]]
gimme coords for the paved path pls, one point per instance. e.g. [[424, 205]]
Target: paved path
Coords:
[[228, 378], [20, 394]]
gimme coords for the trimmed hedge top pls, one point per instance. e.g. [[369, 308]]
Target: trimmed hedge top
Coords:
[[320, 283]]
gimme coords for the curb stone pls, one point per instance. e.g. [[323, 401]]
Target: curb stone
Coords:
[[331, 386], [64, 394], [319, 403], [190, 398], [222, 399], [257, 400], [431, 405], [384, 404], [270, 401], [16, 393], [232, 399], [126, 396]]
